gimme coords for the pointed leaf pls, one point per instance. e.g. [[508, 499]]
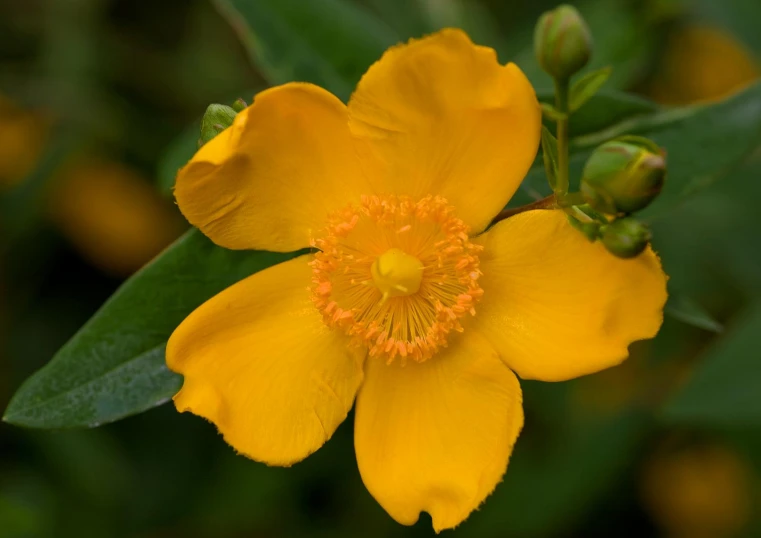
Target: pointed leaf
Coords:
[[550, 112], [724, 388], [328, 42], [688, 311], [550, 156], [588, 85]]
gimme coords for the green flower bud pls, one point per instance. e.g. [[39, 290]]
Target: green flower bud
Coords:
[[216, 119], [625, 238], [239, 105], [623, 176], [562, 42]]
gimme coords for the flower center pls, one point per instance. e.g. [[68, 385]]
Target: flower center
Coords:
[[396, 274]]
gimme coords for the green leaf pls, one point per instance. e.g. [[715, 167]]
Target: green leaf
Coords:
[[330, 43], [417, 18], [567, 481], [404, 16], [551, 113], [724, 388], [688, 311], [471, 16], [709, 245], [550, 156], [114, 366], [587, 86], [736, 17]]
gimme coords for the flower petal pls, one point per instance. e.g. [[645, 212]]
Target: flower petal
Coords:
[[260, 364], [436, 436], [268, 181], [556, 306], [441, 116]]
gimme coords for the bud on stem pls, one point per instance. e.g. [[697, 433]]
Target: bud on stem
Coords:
[[562, 42], [625, 238], [216, 119], [623, 176], [239, 105]]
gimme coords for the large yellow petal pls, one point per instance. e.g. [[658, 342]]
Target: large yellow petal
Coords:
[[261, 365], [556, 306], [436, 436], [269, 181], [441, 116]]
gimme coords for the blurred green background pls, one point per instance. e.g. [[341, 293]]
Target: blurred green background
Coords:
[[100, 103]]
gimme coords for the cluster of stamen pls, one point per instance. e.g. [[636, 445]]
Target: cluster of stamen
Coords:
[[397, 274]]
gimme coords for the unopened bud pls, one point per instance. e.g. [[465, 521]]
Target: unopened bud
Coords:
[[216, 119], [626, 237], [623, 176], [239, 105], [562, 42]]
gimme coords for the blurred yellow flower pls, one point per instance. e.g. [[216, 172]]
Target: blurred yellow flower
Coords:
[[112, 215], [698, 491], [409, 303], [702, 63], [22, 137]]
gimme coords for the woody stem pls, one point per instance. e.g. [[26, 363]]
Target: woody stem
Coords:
[[549, 202]]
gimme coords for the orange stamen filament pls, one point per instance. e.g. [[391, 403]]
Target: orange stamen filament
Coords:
[[396, 274]]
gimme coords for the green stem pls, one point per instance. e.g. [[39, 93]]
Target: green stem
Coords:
[[561, 104], [571, 198]]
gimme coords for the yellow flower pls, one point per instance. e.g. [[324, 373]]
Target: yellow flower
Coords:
[[703, 63], [408, 304], [22, 138], [112, 215], [701, 491]]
